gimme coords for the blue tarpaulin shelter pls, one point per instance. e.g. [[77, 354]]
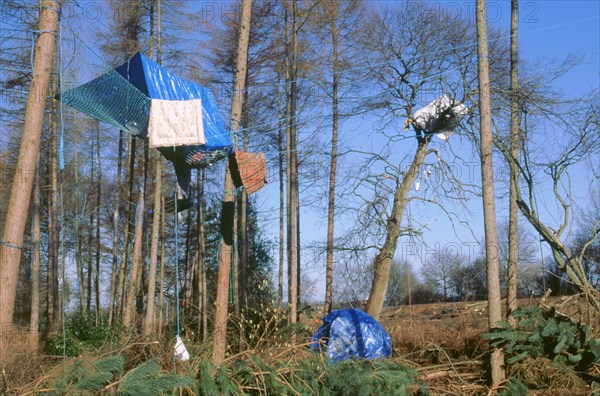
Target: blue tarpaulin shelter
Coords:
[[347, 333], [178, 117]]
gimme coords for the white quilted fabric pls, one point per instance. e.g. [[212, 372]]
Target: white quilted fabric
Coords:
[[175, 123]]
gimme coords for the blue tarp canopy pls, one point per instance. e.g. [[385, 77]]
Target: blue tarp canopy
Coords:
[[124, 96], [177, 117], [347, 333]]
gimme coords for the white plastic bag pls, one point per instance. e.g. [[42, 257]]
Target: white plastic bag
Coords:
[[180, 350], [441, 115]]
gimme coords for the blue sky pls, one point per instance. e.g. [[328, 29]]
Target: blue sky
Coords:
[[549, 30], [556, 29]]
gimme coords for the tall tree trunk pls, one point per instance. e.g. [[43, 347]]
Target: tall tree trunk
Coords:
[[298, 243], [333, 166], [90, 256], [18, 206], [291, 74], [161, 278], [220, 330], [35, 266], [136, 265], [115, 250], [127, 232], [98, 211], [53, 240], [189, 268], [149, 326], [244, 248], [235, 276], [142, 286], [384, 258], [154, 242], [487, 180], [515, 122], [281, 199], [78, 258], [242, 231], [201, 278]]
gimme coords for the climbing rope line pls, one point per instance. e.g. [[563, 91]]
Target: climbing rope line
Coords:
[[177, 303]]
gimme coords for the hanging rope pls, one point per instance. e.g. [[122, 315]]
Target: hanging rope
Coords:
[[177, 303], [177, 264]]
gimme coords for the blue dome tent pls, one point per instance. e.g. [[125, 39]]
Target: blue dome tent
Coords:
[[347, 333]]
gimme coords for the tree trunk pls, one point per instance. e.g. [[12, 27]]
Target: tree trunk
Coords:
[[292, 168], [487, 180], [136, 265], [281, 201], [35, 266], [18, 207], [52, 275], [235, 276], [244, 248], [515, 122], [298, 243], [115, 251], [98, 204], [78, 258], [127, 232], [242, 265], [161, 278], [333, 164], [90, 256], [220, 330], [189, 268], [384, 258], [154, 241], [149, 327], [201, 277]]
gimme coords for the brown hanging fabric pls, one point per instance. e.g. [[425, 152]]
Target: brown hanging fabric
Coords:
[[248, 170]]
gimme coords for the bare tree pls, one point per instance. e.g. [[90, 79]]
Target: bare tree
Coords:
[[52, 312], [149, 327], [442, 272], [291, 56], [407, 68], [341, 22], [136, 265], [18, 207], [487, 179], [115, 250], [515, 126], [220, 329], [35, 265], [579, 140]]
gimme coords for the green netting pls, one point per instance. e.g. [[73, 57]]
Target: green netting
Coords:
[[201, 159], [121, 104]]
